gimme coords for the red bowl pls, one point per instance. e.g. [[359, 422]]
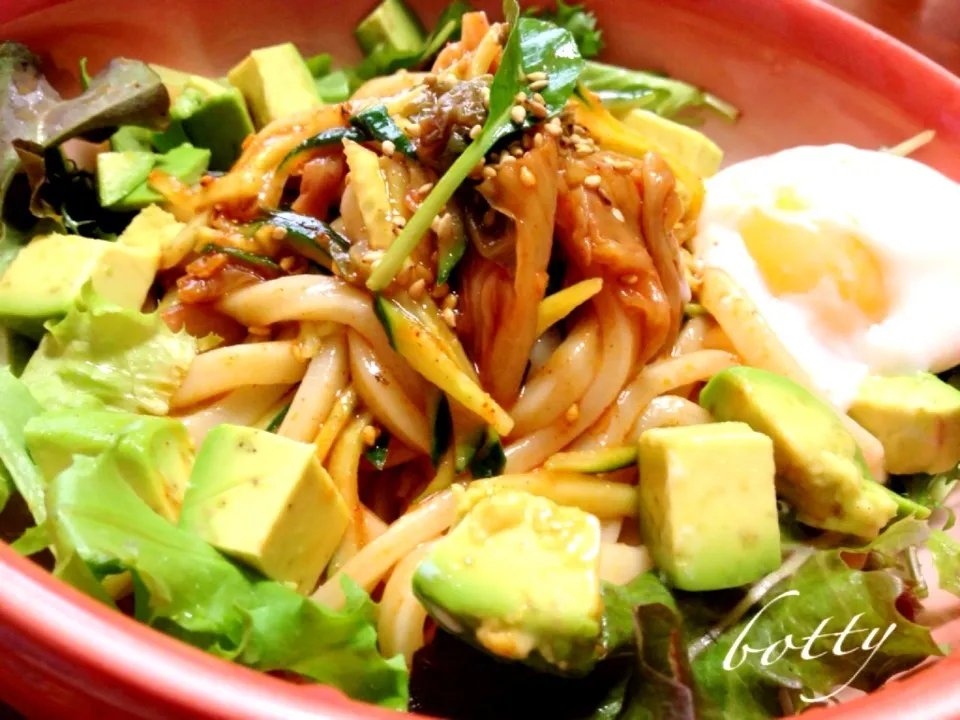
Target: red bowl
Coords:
[[801, 71]]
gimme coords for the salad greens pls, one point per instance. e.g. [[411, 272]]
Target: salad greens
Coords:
[[580, 22], [186, 588], [104, 356], [654, 663], [532, 45]]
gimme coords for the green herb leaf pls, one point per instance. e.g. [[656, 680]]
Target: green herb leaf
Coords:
[[533, 45], [581, 23], [376, 121], [102, 355], [320, 65], [377, 453], [186, 588], [622, 89]]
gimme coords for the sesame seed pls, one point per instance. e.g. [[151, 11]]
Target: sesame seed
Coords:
[[435, 225], [527, 177], [446, 225], [592, 181], [507, 159], [554, 128], [399, 220], [538, 110], [278, 233], [572, 413], [288, 263], [618, 214], [538, 76], [539, 84], [449, 317], [538, 140], [517, 152], [370, 434], [489, 172], [425, 189], [388, 147], [475, 132], [629, 279], [575, 137], [417, 288], [403, 277], [485, 94], [520, 97], [450, 301], [370, 257], [537, 97], [440, 291], [518, 114]]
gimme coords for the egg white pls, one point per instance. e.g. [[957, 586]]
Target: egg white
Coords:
[[905, 213]]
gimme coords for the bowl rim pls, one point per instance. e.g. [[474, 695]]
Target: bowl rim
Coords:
[[65, 623]]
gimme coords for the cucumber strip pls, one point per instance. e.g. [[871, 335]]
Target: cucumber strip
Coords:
[[438, 414], [490, 458], [334, 136], [377, 453], [279, 418], [425, 353], [376, 121], [441, 481], [556, 307], [247, 257], [593, 461], [315, 240]]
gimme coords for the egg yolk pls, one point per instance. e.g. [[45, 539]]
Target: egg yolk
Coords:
[[796, 256]]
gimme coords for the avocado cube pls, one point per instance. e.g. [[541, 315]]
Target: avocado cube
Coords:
[[186, 163], [131, 138], [392, 24], [213, 115], [265, 500], [152, 229], [518, 576], [47, 275], [155, 453], [708, 505], [276, 82], [118, 173], [915, 417], [820, 468]]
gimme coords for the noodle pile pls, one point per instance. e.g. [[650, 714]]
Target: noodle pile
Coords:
[[556, 207]]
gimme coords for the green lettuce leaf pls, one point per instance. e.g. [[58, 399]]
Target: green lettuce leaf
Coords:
[[946, 558], [102, 355], [622, 89], [580, 22], [187, 589], [34, 119], [17, 408]]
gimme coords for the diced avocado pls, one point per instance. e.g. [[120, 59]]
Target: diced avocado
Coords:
[[519, 577], [154, 454], [693, 148], [915, 417], [593, 461], [152, 229], [214, 116], [186, 163], [708, 505], [392, 23], [265, 500], [820, 469], [275, 82], [173, 79], [131, 138], [47, 276], [119, 173]]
